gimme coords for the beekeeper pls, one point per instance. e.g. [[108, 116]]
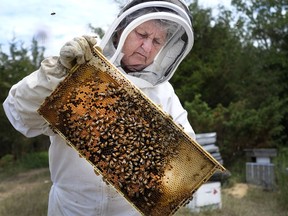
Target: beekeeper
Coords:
[[147, 42]]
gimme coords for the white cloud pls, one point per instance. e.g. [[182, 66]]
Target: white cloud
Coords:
[[29, 18], [24, 19]]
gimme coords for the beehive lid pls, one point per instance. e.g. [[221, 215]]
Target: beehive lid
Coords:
[[129, 140]]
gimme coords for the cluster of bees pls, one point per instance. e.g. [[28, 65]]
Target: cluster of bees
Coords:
[[121, 135]]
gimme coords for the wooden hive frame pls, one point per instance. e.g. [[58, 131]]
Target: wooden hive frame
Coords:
[[129, 140]]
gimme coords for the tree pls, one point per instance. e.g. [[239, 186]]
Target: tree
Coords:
[[13, 67], [97, 30], [266, 23], [226, 86], [212, 64]]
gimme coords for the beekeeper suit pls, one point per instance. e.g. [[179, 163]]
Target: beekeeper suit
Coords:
[[76, 190]]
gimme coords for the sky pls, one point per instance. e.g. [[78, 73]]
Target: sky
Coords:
[[55, 22]]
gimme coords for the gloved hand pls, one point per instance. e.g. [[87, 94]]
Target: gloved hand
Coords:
[[77, 51]]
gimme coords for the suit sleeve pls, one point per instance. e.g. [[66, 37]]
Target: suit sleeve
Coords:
[[27, 95], [174, 107]]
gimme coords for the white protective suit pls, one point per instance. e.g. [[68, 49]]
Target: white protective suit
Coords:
[[76, 190]]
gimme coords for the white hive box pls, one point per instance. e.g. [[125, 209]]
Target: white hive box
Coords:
[[208, 196]]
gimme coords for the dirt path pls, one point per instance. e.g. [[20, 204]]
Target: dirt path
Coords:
[[238, 190], [23, 182]]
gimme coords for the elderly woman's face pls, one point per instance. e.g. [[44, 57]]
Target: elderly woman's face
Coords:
[[142, 45]]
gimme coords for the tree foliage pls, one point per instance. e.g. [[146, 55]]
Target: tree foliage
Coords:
[[234, 81], [14, 66], [266, 23]]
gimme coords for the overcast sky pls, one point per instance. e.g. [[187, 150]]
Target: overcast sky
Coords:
[[24, 19]]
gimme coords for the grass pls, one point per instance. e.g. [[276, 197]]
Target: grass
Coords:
[[10, 167], [256, 202], [24, 185], [24, 190], [25, 194], [32, 199]]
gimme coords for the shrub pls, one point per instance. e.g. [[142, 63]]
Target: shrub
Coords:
[[34, 160], [281, 172]]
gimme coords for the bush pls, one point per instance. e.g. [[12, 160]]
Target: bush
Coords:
[[34, 160], [281, 172], [6, 160], [238, 126], [9, 166]]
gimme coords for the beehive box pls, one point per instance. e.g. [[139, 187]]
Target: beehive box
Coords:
[[207, 197], [128, 139]]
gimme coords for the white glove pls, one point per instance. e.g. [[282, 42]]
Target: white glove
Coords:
[[77, 51]]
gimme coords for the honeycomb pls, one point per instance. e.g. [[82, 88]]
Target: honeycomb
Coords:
[[129, 140]]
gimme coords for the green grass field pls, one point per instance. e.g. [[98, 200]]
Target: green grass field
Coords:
[[26, 194]]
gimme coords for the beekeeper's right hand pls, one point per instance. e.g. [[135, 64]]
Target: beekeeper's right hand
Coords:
[[77, 51]]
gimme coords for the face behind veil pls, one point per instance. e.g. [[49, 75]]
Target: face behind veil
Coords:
[[179, 41]]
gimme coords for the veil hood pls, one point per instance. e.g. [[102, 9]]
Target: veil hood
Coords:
[[178, 45]]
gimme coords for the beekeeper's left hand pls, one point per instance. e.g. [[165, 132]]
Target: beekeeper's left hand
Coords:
[[77, 51]]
